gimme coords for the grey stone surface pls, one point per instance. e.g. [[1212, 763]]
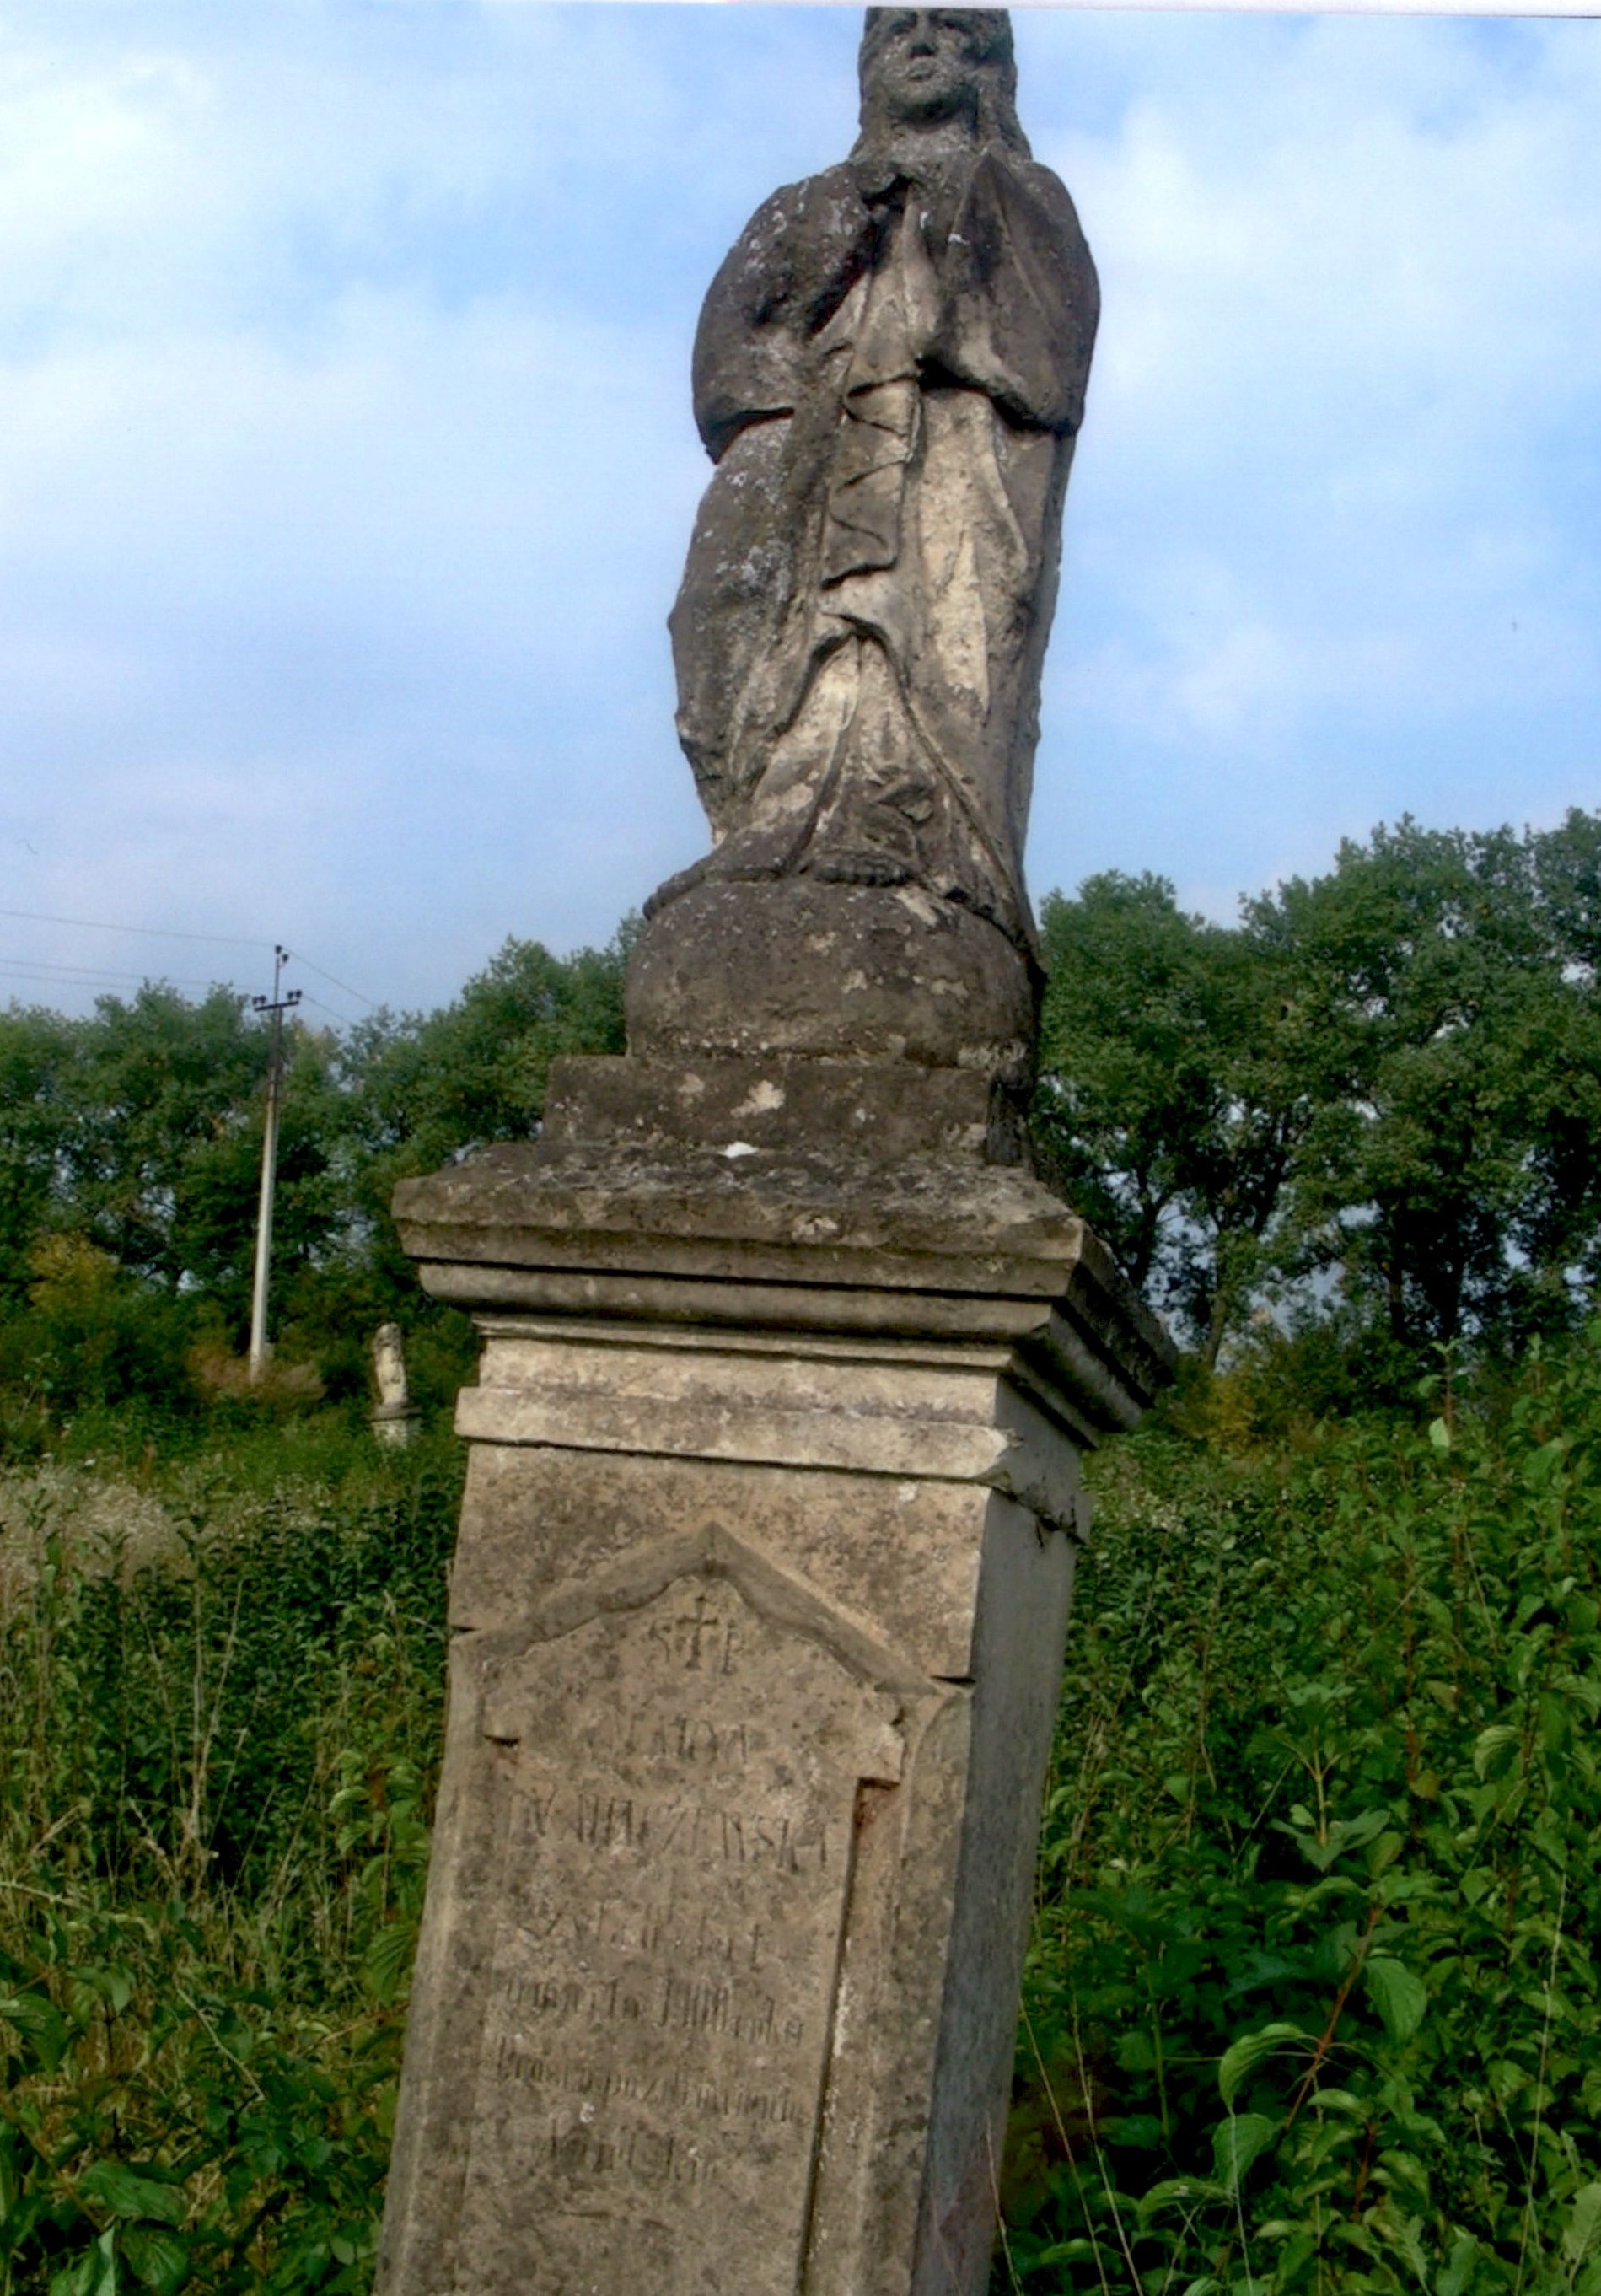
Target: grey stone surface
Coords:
[[758, 1605], [687, 1742], [395, 1420], [857, 972], [783, 1241], [733, 1847], [790, 1361], [888, 1110], [389, 1367], [889, 375]]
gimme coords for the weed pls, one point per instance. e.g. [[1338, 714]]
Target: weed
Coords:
[[211, 1857], [1321, 1869]]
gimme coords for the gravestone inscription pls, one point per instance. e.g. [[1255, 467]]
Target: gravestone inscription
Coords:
[[669, 1905]]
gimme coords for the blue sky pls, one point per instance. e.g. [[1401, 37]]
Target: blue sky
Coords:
[[347, 467]]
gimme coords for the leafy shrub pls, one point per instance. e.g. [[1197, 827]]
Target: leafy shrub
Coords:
[[93, 1334], [1311, 2003], [211, 1861]]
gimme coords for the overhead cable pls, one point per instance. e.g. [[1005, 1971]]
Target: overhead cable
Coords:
[[145, 933], [155, 933]]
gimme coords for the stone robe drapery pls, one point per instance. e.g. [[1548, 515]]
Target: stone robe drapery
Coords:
[[888, 375]]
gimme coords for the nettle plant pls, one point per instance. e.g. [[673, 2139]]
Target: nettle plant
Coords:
[[1312, 2003], [1311, 2007], [212, 1853]]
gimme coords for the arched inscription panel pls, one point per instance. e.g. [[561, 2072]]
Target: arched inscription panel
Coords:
[[675, 1876]]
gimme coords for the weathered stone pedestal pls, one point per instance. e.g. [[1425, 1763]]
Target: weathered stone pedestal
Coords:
[[395, 1424], [760, 1599]]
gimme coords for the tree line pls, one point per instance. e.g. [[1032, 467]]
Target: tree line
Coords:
[[1360, 1123], [130, 1149], [1367, 1116]]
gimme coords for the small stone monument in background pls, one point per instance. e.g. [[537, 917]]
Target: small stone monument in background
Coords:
[[773, 1488], [395, 1420]]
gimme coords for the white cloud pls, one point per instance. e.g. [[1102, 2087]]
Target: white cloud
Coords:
[[1350, 371], [348, 467]]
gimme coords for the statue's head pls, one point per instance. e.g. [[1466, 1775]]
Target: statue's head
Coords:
[[923, 66]]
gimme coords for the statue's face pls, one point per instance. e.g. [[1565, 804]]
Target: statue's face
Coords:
[[926, 64]]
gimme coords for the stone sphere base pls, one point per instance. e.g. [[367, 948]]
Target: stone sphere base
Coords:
[[857, 972]]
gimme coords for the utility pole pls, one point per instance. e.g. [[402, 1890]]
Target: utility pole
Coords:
[[277, 1006]]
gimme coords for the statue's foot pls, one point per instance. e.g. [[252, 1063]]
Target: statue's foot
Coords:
[[672, 888], [760, 860], [860, 866], [719, 866]]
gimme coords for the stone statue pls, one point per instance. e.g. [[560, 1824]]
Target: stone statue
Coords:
[[395, 1420], [888, 375], [389, 1367], [768, 1536]]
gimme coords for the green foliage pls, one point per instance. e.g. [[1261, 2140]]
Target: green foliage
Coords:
[[1367, 1119], [36, 1057], [1311, 2004], [218, 1749], [1173, 1094], [91, 1334], [476, 1070], [1376, 1102], [1454, 1178], [420, 1089], [220, 1718], [130, 1154]]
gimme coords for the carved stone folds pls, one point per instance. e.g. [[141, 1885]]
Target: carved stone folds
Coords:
[[759, 1601]]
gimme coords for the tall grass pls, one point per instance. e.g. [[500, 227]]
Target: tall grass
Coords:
[[1311, 2004], [220, 1709]]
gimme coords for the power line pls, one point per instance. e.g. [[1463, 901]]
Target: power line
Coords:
[[344, 1019], [48, 968], [145, 933], [300, 957], [154, 932], [44, 972], [80, 976]]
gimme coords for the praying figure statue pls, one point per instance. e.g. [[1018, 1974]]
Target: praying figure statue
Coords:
[[888, 375], [389, 1367]]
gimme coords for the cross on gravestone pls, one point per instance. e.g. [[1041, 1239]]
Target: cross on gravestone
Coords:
[[692, 1628]]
